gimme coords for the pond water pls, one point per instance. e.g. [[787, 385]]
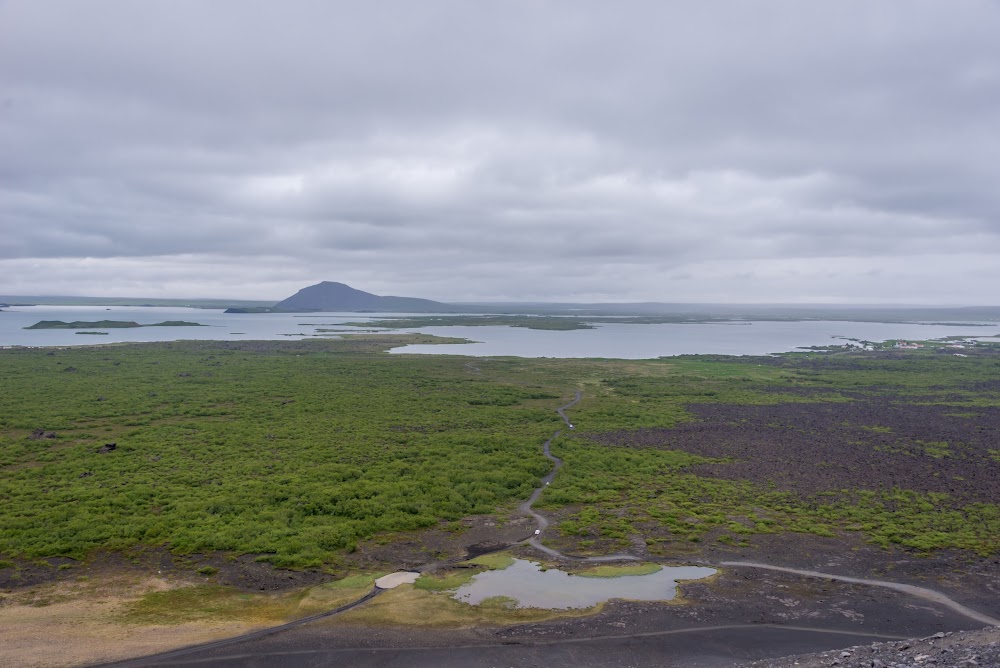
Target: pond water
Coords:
[[617, 340], [552, 589]]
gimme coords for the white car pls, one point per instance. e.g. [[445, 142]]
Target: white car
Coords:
[[538, 532]]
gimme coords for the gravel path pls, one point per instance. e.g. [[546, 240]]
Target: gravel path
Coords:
[[912, 590], [543, 523]]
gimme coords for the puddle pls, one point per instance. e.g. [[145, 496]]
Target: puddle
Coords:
[[553, 589]]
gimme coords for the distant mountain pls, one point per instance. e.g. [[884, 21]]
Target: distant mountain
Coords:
[[330, 296]]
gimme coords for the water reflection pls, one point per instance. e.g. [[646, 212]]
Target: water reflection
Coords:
[[531, 587]]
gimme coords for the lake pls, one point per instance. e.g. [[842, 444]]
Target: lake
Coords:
[[606, 340]]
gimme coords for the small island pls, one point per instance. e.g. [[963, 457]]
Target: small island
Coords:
[[107, 324], [251, 309]]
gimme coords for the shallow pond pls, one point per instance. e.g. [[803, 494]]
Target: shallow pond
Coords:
[[531, 587]]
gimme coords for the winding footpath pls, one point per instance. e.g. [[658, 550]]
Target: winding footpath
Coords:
[[912, 590], [543, 523]]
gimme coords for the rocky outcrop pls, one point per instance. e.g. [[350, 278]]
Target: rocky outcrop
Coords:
[[961, 649]]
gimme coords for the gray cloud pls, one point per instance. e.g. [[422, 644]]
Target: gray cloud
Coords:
[[725, 151]]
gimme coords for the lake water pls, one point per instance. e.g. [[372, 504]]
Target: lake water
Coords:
[[552, 589], [220, 326], [606, 340], [647, 341]]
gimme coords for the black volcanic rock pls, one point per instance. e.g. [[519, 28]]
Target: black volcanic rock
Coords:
[[330, 296]]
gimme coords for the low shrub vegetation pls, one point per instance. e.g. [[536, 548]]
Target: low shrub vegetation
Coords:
[[299, 451]]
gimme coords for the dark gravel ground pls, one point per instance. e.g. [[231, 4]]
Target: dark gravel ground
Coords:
[[742, 615], [698, 649], [873, 444], [244, 572], [962, 649]]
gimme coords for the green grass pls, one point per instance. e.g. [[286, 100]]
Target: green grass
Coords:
[[363, 581], [201, 602], [213, 603], [936, 449], [300, 450], [619, 500], [621, 490], [456, 578], [496, 561], [447, 582], [620, 571], [295, 455]]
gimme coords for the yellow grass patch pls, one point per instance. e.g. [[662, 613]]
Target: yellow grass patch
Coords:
[[608, 571], [409, 606], [115, 618]]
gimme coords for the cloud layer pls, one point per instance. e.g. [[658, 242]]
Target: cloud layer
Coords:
[[719, 151]]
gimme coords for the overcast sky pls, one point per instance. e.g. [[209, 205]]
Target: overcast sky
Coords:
[[719, 151]]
